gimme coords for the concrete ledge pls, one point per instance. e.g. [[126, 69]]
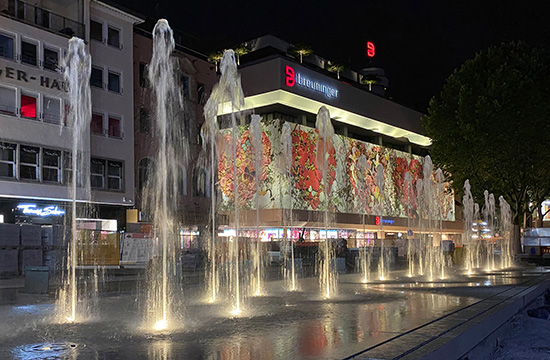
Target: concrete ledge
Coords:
[[470, 333]]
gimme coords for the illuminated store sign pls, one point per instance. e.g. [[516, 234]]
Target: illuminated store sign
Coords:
[[8, 72], [293, 78], [31, 209], [370, 49], [377, 221]]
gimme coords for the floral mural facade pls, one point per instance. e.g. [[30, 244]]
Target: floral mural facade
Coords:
[[350, 187]]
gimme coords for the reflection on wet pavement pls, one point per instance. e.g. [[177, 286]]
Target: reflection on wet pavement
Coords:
[[281, 325]]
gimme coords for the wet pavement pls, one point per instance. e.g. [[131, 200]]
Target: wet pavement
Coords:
[[279, 325]]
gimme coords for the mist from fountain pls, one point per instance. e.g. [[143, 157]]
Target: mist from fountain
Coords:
[[488, 231], [76, 297], [328, 276], [365, 251]]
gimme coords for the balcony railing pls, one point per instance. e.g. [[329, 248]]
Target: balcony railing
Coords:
[[35, 15]]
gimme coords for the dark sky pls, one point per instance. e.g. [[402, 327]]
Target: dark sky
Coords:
[[418, 42]]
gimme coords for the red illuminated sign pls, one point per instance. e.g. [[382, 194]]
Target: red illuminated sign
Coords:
[[290, 79], [377, 220], [370, 49]]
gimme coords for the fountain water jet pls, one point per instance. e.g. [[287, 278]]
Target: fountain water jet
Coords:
[[286, 142], [256, 140], [382, 263], [328, 276], [77, 66], [161, 199]]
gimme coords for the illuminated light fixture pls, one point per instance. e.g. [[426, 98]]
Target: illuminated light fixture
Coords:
[[312, 106]]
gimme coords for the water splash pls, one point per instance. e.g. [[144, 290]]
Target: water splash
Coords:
[[467, 241], [409, 195], [365, 251], [507, 255]]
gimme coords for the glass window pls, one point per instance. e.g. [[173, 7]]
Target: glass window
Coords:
[[144, 120], [28, 52], [199, 182], [96, 77], [52, 110], [28, 162], [96, 30], [7, 101], [97, 124], [51, 165], [113, 37], [51, 59], [114, 127], [6, 46], [114, 82], [143, 77], [185, 87], [28, 106], [68, 170], [7, 160], [114, 175], [97, 173]]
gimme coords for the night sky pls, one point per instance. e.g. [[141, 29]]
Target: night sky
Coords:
[[418, 43]]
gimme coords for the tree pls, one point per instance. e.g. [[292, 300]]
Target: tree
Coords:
[[491, 125], [215, 58], [240, 51], [301, 50], [335, 67]]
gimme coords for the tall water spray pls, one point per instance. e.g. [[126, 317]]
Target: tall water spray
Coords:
[[286, 142], [382, 263], [209, 133], [365, 251], [162, 195], [422, 248], [488, 230], [507, 255], [467, 240], [438, 213], [409, 195], [77, 66], [328, 276], [228, 94], [257, 148]]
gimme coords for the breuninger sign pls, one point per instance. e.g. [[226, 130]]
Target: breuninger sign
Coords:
[[293, 78]]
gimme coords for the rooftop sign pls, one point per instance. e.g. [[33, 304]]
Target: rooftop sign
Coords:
[[296, 78]]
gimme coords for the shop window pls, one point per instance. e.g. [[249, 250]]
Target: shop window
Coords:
[[28, 162], [28, 53], [114, 173], [97, 174], [51, 165], [113, 37], [7, 160], [28, 106], [144, 120], [51, 59], [96, 77], [143, 77], [6, 46], [96, 125], [96, 30], [114, 82], [51, 110], [7, 101], [114, 127]]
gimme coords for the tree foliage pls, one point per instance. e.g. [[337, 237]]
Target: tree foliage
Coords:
[[491, 124]]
